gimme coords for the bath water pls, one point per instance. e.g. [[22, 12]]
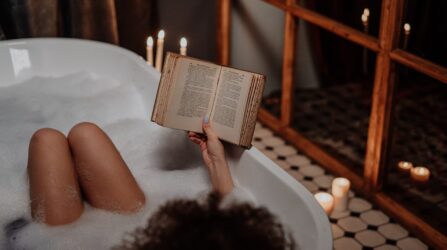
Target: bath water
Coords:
[[165, 164]]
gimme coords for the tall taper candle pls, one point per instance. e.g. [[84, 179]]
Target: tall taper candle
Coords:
[[159, 55], [150, 51], [407, 30], [183, 44]]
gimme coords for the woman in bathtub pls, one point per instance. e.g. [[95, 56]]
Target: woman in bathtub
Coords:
[[64, 171]]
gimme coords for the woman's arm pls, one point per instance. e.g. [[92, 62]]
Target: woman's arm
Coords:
[[213, 154]]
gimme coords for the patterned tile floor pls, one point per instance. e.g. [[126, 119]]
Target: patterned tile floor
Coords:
[[362, 226]]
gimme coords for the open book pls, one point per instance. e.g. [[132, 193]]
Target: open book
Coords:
[[190, 89]]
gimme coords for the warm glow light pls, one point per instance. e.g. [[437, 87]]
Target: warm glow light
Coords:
[[161, 34], [407, 27], [326, 201], [150, 42], [183, 42], [420, 174], [364, 18], [366, 12], [405, 166]]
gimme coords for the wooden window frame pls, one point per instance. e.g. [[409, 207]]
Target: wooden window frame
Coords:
[[388, 54]]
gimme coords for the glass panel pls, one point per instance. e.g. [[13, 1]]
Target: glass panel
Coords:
[[424, 31], [333, 89], [349, 12], [257, 45], [419, 136]]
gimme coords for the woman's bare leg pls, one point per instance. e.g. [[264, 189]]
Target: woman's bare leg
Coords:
[[103, 175], [54, 190]]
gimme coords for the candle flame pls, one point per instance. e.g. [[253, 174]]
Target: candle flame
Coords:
[[183, 42], [405, 165], [342, 182], [323, 197], [366, 12], [161, 34], [150, 41], [407, 27], [423, 171]]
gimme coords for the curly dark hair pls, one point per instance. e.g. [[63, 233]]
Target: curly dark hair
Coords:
[[188, 224]]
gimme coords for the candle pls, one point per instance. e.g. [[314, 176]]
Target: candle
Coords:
[[326, 201], [159, 55], [183, 44], [340, 191], [407, 29], [366, 12], [420, 175], [405, 167], [364, 18], [150, 51]]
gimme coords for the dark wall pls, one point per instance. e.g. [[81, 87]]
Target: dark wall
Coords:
[[193, 19]]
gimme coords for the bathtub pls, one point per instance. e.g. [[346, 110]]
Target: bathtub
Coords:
[[270, 185]]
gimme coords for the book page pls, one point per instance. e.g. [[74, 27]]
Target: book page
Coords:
[[229, 105], [195, 83]]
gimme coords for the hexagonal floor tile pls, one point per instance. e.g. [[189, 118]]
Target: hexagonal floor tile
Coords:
[[285, 150], [312, 171], [258, 145], [386, 247], [370, 238], [346, 243], [339, 214], [270, 154], [411, 244], [393, 231], [272, 141], [262, 132], [359, 205], [283, 164], [298, 160], [352, 224], [310, 186], [295, 174], [374, 217], [337, 232], [324, 181]]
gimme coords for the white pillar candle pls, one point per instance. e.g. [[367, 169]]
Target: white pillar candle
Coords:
[[326, 201], [340, 191], [405, 167], [150, 51], [160, 44], [183, 44], [420, 175], [407, 30]]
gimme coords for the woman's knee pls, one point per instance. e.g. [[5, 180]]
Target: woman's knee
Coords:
[[82, 132], [47, 136]]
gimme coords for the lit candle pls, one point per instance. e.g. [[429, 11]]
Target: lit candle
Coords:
[[405, 167], [407, 29], [159, 55], [326, 201], [365, 17], [183, 44], [366, 12], [340, 191], [150, 51], [420, 175]]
